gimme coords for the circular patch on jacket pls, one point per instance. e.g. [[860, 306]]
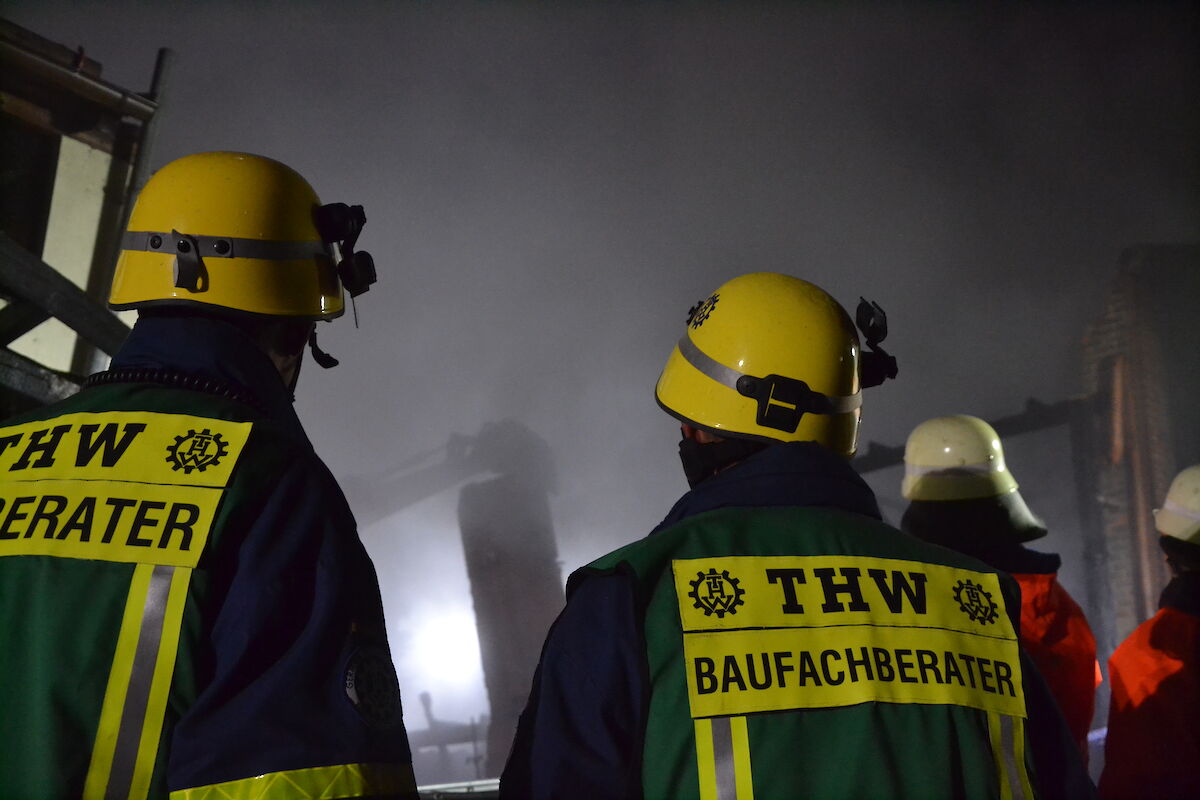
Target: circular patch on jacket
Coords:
[[196, 451], [371, 686], [716, 593], [976, 602]]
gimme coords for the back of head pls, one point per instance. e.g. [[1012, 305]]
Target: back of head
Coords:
[[1179, 520], [767, 357]]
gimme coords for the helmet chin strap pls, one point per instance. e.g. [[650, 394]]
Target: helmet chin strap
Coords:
[[320, 356]]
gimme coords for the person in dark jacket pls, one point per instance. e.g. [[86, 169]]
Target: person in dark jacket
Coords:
[[772, 637], [963, 496], [188, 608], [1153, 743]]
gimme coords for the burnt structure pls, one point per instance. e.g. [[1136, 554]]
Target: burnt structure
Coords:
[[506, 475], [74, 149], [1131, 430], [1142, 379]]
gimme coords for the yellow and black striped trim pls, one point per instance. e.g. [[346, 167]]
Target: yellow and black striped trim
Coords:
[[139, 681], [1007, 736], [723, 759]]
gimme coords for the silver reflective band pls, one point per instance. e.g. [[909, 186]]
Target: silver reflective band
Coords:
[[913, 470], [727, 376], [1008, 743], [133, 714], [726, 777], [1178, 510], [225, 246], [713, 369]]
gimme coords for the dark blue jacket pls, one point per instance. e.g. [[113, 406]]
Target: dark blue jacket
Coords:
[[286, 678], [582, 731]]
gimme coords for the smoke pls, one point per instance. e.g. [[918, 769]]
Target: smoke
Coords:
[[549, 187]]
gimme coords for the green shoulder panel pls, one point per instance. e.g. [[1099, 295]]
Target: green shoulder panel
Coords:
[[109, 490], [777, 631]]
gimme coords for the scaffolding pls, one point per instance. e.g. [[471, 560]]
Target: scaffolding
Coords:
[[75, 151]]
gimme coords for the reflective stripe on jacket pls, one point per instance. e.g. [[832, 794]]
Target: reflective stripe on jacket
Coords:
[[585, 730], [780, 640], [187, 606]]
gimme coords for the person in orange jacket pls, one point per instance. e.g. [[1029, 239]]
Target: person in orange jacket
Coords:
[[1153, 744], [962, 496]]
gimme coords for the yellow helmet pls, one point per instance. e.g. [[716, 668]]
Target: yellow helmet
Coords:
[[767, 357], [955, 458], [242, 232], [1179, 517]]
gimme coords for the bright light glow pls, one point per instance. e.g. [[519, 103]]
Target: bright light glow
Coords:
[[445, 649]]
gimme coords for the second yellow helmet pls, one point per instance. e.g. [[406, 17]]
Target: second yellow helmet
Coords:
[[771, 357]]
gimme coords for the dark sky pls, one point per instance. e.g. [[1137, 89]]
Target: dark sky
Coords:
[[551, 186]]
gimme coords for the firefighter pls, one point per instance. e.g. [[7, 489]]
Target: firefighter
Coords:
[[772, 637], [962, 496], [1153, 744], [187, 606]]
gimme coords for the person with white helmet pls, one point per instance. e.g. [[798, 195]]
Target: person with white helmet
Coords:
[[773, 637], [1153, 743], [963, 496], [188, 610]]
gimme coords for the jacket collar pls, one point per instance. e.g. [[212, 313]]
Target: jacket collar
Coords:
[[785, 474], [1015, 559], [211, 348], [1182, 593]]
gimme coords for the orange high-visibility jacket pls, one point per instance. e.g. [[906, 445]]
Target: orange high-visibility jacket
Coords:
[[1055, 633], [1153, 745]]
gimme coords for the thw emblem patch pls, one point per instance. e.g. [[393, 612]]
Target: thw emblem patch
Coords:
[[716, 593], [196, 451]]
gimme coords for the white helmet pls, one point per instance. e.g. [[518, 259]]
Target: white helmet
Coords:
[[955, 458], [1179, 516]]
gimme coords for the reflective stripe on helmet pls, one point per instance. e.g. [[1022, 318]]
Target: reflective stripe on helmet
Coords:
[[224, 246], [981, 468], [727, 376], [1176, 508]]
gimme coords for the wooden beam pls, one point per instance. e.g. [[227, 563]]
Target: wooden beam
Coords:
[[25, 277], [18, 319], [29, 378], [1036, 416]]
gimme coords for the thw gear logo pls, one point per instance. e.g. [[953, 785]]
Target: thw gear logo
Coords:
[[700, 312], [975, 602], [196, 451], [716, 593]]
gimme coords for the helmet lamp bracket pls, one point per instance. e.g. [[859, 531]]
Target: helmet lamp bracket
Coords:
[[340, 225], [782, 401], [876, 365], [189, 266]]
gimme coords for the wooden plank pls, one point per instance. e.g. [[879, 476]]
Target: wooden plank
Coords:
[[31, 379], [18, 319], [25, 277], [1035, 417]]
